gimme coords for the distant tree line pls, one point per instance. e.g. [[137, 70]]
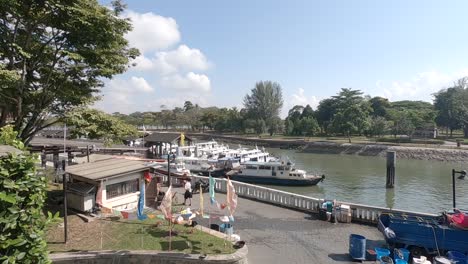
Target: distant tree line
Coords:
[[259, 115], [349, 113]]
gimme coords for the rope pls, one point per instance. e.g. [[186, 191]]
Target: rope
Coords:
[[435, 239]]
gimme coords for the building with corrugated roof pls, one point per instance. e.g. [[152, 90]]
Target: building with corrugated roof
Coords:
[[114, 183]]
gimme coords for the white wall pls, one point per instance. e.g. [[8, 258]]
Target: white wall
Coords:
[[124, 202]]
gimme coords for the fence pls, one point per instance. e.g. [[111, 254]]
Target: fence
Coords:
[[360, 213]]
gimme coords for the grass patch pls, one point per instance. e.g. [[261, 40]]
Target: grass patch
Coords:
[[150, 234]]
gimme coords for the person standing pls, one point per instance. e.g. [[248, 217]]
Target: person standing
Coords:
[[188, 192]]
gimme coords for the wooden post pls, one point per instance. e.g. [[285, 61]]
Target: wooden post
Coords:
[[87, 152], [453, 189], [391, 160]]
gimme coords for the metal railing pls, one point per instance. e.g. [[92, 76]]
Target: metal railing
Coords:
[[360, 213]]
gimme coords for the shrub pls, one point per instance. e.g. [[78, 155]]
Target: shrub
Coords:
[[22, 222]]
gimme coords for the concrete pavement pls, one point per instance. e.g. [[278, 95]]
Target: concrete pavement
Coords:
[[279, 235]]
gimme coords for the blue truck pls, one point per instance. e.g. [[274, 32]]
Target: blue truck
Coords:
[[422, 235]]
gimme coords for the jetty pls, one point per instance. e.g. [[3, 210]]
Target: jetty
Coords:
[[283, 227]]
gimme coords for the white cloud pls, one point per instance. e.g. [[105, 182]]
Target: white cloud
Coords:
[[152, 32], [299, 98], [191, 82], [176, 71], [182, 59], [120, 95], [420, 87], [140, 84], [142, 63]]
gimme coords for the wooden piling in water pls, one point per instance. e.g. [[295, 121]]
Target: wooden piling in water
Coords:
[[391, 160]]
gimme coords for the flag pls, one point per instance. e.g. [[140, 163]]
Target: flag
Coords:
[[141, 202], [231, 198], [182, 139], [201, 200], [212, 192], [166, 204], [147, 176]]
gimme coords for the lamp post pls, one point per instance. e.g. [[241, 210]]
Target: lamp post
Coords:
[[462, 176]]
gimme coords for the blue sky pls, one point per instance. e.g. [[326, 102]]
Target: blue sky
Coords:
[[213, 52]]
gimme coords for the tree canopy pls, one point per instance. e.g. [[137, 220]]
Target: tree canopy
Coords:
[[264, 102], [54, 56], [95, 124]]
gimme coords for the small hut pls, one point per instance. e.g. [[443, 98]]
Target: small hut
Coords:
[[162, 143], [115, 183]]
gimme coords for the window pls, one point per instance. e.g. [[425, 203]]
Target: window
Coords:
[[250, 167], [121, 188], [263, 167]]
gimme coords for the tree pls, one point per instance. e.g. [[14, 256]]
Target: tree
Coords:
[[307, 112], [449, 108], [378, 126], [350, 120], [22, 199], [188, 105], [379, 106], [325, 112], [352, 112], [276, 125], [57, 55], [309, 126], [260, 126], [95, 124], [264, 102]]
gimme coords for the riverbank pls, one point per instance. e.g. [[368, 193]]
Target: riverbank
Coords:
[[437, 153]]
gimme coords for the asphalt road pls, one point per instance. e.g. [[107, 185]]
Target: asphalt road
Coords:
[[278, 235]]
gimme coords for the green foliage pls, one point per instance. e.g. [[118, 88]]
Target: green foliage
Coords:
[[8, 136], [301, 121], [452, 106], [264, 102], [378, 126], [22, 223], [379, 106], [95, 124], [351, 112], [55, 55]]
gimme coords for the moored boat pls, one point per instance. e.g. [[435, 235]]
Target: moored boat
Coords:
[[274, 173]]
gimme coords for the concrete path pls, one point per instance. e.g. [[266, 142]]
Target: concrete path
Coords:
[[278, 235]]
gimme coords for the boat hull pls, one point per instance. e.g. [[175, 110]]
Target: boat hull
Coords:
[[214, 173], [277, 181]]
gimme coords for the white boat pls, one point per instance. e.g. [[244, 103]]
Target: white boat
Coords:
[[177, 169], [275, 173]]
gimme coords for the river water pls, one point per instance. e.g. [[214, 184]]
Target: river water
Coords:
[[422, 186]]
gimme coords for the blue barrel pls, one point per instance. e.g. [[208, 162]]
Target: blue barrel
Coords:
[[400, 261], [357, 247], [456, 257], [226, 228], [382, 252], [401, 253]]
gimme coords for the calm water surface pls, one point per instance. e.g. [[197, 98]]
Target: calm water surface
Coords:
[[423, 186]]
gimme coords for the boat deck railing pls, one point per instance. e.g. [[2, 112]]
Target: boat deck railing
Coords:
[[360, 213]]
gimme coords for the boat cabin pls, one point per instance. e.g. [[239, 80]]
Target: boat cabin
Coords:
[[275, 169]]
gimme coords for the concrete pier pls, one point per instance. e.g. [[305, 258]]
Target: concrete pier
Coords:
[[279, 235]]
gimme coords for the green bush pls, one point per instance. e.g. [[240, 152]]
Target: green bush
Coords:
[[22, 222]]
